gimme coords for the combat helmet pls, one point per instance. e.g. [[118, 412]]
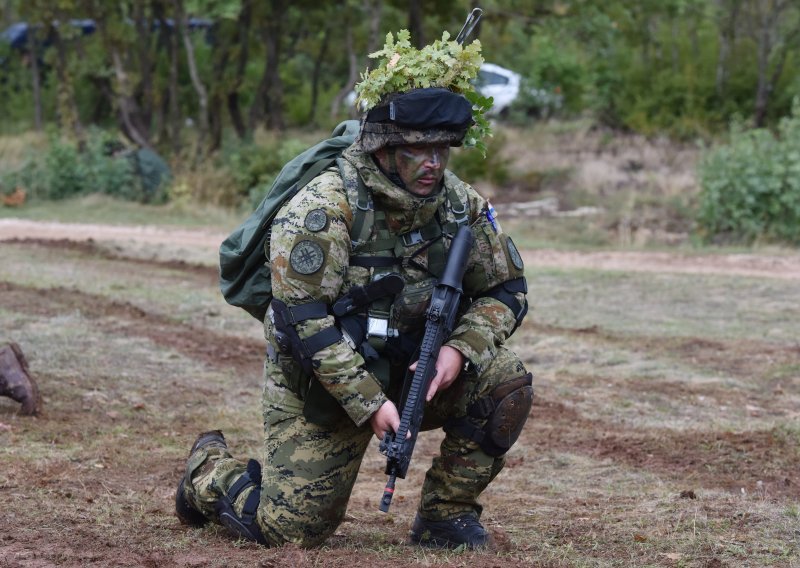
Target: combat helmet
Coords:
[[422, 96], [432, 115]]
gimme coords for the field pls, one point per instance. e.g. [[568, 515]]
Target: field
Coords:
[[665, 429]]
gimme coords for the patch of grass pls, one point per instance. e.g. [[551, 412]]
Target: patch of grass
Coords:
[[15, 150], [560, 233], [107, 210], [643, 383], [665, 304]]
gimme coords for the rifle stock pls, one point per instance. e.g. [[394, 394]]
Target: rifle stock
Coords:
[[441, 316]]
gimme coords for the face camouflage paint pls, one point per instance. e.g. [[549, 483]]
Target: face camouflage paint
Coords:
[[422, 167]]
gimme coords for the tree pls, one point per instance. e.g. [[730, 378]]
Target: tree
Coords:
[[776, 30], [268, 101]]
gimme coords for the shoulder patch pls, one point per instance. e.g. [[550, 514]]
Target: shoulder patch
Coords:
[[513, 254], [306, 257], [316, 220]]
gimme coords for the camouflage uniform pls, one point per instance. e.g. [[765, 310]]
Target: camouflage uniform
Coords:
[[316, 429]]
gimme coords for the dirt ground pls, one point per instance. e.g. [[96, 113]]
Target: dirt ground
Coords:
[[663, 448], [134, 240]]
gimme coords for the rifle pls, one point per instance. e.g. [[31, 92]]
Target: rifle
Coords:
[[440, 316]]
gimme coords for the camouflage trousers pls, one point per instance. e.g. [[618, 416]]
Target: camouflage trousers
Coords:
[[308, 471]]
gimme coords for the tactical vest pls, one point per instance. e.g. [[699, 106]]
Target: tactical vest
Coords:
[[383, 252]]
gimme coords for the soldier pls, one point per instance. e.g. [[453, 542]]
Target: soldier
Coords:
[[390, 207]]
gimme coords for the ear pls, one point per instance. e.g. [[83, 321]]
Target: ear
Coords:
[[382, 156]]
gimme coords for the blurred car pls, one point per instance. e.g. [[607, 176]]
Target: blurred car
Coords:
[[510, 91], [499, 83]]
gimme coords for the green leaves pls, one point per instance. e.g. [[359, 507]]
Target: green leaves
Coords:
[[750, 187], [443, 63]]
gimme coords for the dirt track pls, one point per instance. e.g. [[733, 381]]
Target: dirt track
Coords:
[[126, 238], [589, 483]]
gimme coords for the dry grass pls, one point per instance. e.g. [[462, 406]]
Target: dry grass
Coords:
[[645, 187], [655, 441], [14, 150], [664, 432]]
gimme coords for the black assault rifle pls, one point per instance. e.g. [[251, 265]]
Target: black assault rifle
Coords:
[[441, 316]]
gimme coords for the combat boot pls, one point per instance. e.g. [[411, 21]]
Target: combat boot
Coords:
[[186, 513], [464, 530], [16, 382]]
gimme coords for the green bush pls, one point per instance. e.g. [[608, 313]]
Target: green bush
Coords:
[[751, 186], [255, 166], [67, 169], [494, 168]]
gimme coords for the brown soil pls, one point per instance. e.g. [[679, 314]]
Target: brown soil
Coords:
[[765, 461], [127, 237]]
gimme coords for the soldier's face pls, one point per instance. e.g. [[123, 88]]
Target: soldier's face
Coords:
[[421, 166]]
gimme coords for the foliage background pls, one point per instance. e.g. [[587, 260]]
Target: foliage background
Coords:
[[225, 90]]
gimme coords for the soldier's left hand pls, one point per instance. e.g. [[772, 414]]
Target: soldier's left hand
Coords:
[[448, 366]]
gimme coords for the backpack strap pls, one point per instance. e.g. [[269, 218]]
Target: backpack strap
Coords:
[[312, 172], [364, 219]]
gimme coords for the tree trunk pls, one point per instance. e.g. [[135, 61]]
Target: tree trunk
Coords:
[[352, 76], [275, 119], [199, 87], [67, 107], [225, 39], [121, 91], [33, 49], [145, 86], [323, 50], [415, 23], [764, 37], [162, 45], [215, 121], [269, 93], [728, 18], [127, 105], [375, 10], [242, 39], [175, 119]]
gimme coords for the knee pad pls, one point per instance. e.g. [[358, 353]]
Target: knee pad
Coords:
[[244, 526], [503, 412]]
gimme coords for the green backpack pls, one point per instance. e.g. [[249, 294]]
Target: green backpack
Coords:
[[244, 272]]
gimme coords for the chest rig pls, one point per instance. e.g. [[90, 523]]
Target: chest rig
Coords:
[[383, 252]]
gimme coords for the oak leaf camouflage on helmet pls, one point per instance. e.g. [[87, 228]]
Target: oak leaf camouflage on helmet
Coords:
[[444, 63]]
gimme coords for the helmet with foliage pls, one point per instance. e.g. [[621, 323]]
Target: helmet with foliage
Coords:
[[422, 96]]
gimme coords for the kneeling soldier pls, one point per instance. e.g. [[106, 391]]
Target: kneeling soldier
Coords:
[[389, 208]]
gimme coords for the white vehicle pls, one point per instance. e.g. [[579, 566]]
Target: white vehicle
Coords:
[[499, 83]]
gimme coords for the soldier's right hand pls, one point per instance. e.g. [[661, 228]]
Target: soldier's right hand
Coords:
[[386, 419]]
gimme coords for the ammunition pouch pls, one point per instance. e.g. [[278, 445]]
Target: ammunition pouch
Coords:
[[503, 412]]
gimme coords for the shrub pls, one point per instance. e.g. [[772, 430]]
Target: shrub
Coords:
[[751, 186], [494, 167], [67, 170], [256, 167]]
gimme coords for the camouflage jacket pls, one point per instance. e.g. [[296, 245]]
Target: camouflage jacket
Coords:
[[310, 254]]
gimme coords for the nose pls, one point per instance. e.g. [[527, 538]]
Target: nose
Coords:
[[433, 159]]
